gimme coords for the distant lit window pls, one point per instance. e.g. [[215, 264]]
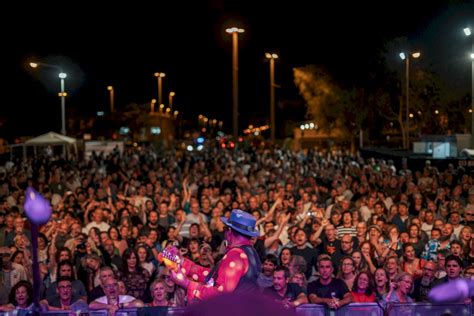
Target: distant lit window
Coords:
[[124, 130], [100, 113], [155, 130]]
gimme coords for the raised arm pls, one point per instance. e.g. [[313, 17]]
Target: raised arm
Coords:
[[270, 240]]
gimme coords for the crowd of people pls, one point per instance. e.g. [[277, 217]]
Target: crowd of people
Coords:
[[333, 228]]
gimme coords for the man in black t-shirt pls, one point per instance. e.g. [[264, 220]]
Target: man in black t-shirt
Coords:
[[326, 290], [290, 294], [304, 250]]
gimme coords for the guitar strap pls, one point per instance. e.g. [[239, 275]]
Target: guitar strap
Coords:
[[212, 276]]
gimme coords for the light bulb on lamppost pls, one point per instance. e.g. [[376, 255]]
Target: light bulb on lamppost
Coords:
[[162, 106], [406, 58], [235, 31], [171, 96], [62, 75], [272, 57], [152, 108], [111, 96], [160, 76]]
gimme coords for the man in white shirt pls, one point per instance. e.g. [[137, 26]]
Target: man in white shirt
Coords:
[[97, 221], [113, 301]]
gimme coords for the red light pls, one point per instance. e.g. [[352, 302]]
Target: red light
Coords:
[[223, 145], [241, 139], [231, 145]]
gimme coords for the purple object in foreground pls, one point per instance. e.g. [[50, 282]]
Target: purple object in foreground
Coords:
[[37, 208], [452, 292]]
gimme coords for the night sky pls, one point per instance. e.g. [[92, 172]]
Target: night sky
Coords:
[[123, 45]]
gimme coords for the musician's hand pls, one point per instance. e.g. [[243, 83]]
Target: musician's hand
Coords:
[[179, 278]]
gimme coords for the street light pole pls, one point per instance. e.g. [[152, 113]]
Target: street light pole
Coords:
[[235, 83], [467, 31], [62, 94], [171, 95], [272, 58], [152, 106], [111, 94], [160, 76], [407, 81], [63, 76]]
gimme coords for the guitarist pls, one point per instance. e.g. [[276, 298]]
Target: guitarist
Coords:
[[236, 272]]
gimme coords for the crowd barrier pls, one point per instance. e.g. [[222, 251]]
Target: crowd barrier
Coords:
[[396, 309], [354, 309], [422, 309]]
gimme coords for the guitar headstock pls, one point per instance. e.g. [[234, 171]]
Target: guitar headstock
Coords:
[[171, 257]]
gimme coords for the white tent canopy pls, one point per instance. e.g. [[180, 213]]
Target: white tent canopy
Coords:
[[50, 139]]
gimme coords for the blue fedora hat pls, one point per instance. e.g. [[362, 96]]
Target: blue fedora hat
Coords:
[[242, 222]]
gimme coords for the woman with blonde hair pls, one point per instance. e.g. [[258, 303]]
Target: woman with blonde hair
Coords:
[[300, 279], [159, 294], [401, 286]]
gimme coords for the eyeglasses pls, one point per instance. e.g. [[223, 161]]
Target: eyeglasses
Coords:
[[111, 286], [65, 287]]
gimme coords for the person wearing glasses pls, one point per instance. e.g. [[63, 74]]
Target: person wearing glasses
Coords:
[[175, 294], [64, 300], [423, 285], [112, 301]]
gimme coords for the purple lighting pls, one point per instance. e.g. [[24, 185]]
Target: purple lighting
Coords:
[[37, 208]]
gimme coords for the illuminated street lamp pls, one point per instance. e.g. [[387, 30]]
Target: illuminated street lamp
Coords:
[[152, 107], [160, 76], [111, 95], [235, 84], [62, 75], [407, 81], [171, 95], [272, 58], [467, 32]]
